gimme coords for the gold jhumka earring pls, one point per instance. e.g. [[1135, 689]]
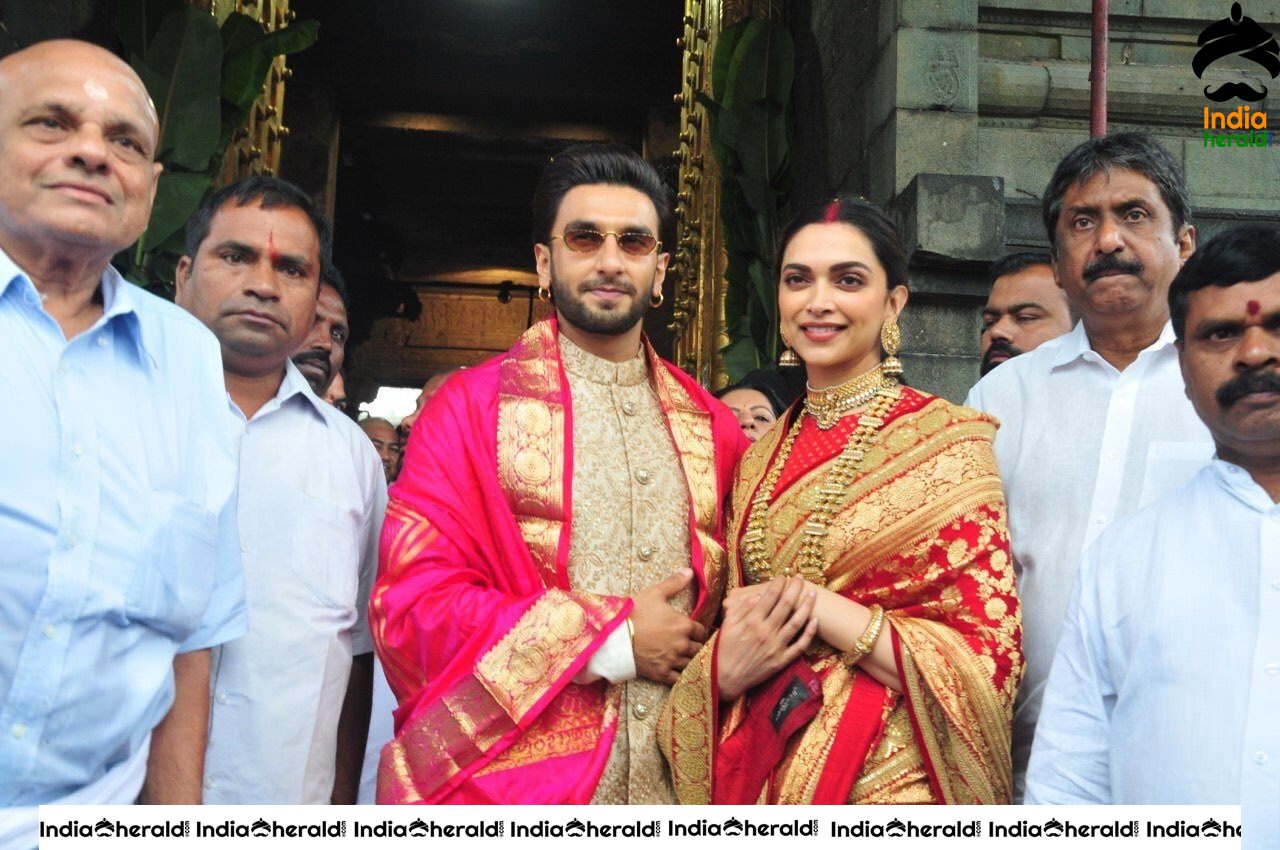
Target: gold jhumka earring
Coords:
[[788, 357], [891, 342]]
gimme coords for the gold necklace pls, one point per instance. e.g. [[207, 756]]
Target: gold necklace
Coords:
[[809, 561], [827, 406]]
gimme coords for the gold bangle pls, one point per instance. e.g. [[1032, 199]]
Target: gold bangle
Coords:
[[863, 646], [631, 631]]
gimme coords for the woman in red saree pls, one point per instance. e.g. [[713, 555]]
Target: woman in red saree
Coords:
[[870, 648]]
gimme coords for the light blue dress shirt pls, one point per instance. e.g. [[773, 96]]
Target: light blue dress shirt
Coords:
[[117, 529], [1166, 685]]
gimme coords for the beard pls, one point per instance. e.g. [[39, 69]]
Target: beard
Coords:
[[999, 346], [612, 320]]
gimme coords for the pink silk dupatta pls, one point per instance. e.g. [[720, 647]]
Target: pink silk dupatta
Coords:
[[472, 615]]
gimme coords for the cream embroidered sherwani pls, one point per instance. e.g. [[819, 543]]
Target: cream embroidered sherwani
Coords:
[[630, 530]]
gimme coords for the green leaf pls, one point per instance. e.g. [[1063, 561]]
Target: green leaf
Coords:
[[250, 50], [180, 59], [726, 44], [138, 21], [740, 356], [177, 197]]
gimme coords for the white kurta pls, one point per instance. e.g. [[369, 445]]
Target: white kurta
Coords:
[[1080, 444]]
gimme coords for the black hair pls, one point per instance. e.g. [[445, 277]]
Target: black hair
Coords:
[[1242, 254], [330, 275], [267, 192], [1016, 262], [767, 382], [870, 222], [1137, 152], [583, 165]]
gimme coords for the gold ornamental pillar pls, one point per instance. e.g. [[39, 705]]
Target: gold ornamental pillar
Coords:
[[255, 147], [698, 324]]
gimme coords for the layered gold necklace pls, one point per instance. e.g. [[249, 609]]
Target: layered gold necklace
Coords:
[[874, 388]]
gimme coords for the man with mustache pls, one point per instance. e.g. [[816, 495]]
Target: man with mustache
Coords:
[[320, 356], [553, 553], [117, 530], [1166, 685], [291, 698], [1024, 308], [1094, 424]]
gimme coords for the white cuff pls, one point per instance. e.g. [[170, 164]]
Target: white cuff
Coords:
[[614, 660]]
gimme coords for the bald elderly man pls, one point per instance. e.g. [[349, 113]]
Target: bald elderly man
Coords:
[[386, 442], [120, 564]]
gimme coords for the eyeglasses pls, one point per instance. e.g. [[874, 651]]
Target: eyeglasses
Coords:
[[632, 243]]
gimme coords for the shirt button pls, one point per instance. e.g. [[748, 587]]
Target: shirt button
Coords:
[[244, 547], [644, 476], [18, 730], [50, 631], [645, 553], [1101, 520], [1275, 584], [640, 710], [102, 341], [222, 699], [63, 368], [208, 783], [1273, 669], [629, 408], [77, 450], [1260, 757]]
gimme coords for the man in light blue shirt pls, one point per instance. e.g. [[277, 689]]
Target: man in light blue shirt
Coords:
[[119, 460], [1166, 684]]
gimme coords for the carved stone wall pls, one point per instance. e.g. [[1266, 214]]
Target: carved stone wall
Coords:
[[953, 115]]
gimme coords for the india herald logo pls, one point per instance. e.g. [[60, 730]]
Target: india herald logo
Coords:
[[1236, 35]]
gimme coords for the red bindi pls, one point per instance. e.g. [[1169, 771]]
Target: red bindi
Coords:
[[832, 214], [1253, 307]]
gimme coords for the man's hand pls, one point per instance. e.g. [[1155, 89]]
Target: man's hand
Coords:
[[765, 629], [175, 766], [665, 639]]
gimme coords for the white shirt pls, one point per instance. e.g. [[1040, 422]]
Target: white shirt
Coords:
[[117, 530], [1166, 686], [1080, 444], [311, 501]]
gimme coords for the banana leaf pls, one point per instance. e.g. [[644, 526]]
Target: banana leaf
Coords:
[[249, 50], [138, 21], [176, 70]]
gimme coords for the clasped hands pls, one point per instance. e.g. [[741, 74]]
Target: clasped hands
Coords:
[[765, 628]]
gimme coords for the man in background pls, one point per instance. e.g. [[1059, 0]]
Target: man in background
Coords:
[[386, 442], [1024, 308], [320, 356]]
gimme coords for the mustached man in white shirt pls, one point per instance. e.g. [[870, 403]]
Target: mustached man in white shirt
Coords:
[[1166, 685], [1093, 424], [118, 461], [289, 712]]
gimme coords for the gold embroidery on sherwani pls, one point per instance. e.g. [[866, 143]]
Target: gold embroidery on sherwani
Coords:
[[630, 529]]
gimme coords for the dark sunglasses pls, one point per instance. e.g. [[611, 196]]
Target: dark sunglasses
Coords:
[[585, 241]]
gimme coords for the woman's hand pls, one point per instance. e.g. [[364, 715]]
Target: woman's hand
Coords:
[[765, 628]]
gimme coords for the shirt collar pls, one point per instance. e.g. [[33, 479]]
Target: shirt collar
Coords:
[[118, 300], [295, 384], [1074, 345], [584, 364], [1240, 484]]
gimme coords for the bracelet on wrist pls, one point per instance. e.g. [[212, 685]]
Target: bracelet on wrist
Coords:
[[864, 645]]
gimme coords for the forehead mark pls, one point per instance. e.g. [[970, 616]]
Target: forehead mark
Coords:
[[272, 253], [1253, 307], [94, 91]]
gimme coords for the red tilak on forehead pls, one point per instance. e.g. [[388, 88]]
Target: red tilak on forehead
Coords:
[[832, 214], [1253, 307], [272, 253]]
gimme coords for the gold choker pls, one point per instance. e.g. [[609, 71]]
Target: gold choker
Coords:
[[827, 406]]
